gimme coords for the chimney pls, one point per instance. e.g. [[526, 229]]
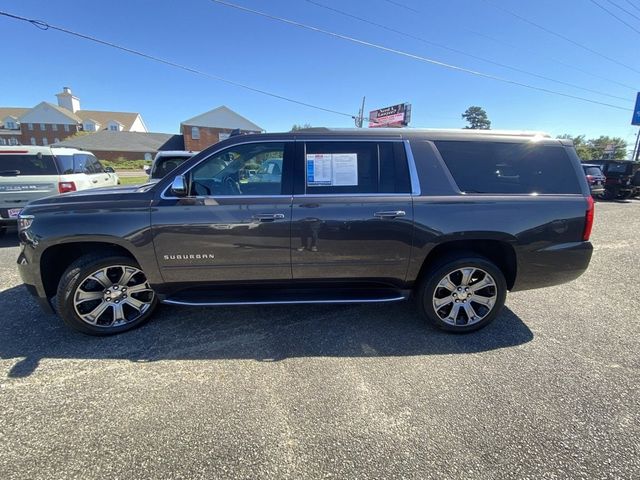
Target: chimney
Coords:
[[67, 100]]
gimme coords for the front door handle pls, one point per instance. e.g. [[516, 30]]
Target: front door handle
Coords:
[[268, 217], [94, 181], [390, 214]]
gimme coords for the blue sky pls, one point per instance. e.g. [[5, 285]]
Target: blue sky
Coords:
[[325, 71]]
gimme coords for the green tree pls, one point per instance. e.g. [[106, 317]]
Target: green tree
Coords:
[[297, 127], [594, 148], [477, 118]]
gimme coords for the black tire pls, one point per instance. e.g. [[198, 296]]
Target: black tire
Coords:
[[609, 194], [427, 288], [625, 195], [76, 275]]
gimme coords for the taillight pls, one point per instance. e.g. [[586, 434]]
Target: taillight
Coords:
[[588, 219], [64, 187], [589, 178]]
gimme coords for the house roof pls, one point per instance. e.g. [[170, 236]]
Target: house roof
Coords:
[[12, 112], [222, 117], [106, 140], [126, 119]]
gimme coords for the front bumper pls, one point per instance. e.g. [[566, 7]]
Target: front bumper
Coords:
[[552, 266], [30, 274]]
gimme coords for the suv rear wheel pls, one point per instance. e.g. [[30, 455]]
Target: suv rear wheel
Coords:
[[104, 295], [462, 294]]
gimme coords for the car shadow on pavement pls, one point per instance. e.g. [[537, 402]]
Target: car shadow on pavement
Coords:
[[9, 239], [264, 333]]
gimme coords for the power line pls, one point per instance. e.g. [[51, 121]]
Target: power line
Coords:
[[521, 49], [461, 52], [633, 5], [412, 55], [47, 26], [631, 14], [615, 16], [398, 4], [559, 35]]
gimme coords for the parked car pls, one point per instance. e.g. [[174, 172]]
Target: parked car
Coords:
[[619, 175], [595, 178], [167, 161], [453, 219], [29, 173]]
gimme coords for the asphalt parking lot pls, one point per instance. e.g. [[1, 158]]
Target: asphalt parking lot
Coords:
[[549, 390]]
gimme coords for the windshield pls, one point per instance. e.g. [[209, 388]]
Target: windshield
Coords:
[[14, 165], [164, 165]]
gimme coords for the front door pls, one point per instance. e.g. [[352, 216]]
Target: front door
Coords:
[[352, 212], [235, 223]]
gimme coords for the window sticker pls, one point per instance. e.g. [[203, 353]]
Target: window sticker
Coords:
[[332, 169]]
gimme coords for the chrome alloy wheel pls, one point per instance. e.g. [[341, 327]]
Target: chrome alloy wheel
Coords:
[[113, 296], [465, 296]]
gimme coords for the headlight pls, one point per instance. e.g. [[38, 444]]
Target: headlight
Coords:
[[24, 222]]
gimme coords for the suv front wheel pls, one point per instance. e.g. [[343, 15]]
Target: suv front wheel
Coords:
[[462, 294], [104, 295]]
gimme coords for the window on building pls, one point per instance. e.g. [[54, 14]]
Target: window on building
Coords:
[[43, 127], [89, 127], [13, 141], [30, 126], [11, 125], [66, 128], [195, 133], [45, 142], [148, 157], [33, 140], [54, 127], [113, 127], [3, 141], [56, 140]]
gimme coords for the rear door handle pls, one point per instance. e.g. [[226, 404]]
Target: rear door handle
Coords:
[[390, 214], [268, 217]]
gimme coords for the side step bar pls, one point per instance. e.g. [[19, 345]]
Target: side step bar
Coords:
[[216, 297]]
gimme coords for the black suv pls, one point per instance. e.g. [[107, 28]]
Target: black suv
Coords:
[[619, 177], [454, 219]]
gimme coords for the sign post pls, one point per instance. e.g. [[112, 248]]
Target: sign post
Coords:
[[635, 120]]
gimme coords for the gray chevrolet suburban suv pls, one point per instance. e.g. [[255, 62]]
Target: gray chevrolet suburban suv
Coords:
[[452, 219]]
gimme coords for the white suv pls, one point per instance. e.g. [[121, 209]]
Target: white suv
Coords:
[[29, 173], [165, 162]]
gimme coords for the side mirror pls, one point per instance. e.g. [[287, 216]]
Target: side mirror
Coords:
[[179, 186], [109, 170]]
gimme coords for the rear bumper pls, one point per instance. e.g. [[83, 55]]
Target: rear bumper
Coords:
[[552, 266]]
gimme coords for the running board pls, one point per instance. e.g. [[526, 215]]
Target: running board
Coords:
[[197, 299]]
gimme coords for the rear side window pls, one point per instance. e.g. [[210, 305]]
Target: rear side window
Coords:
[[623, 168], [509, 168], [79, 163], [356, 167], [17, 165]]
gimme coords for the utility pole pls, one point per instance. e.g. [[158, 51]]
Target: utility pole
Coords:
[[360, 118]]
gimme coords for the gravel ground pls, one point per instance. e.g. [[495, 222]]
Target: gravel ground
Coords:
[[549, 390]]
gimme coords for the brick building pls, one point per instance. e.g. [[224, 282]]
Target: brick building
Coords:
[[47, 123], [214, 126], [112, 145]]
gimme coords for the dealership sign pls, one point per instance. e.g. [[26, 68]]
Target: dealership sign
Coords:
[[635, 120], [394, 116]]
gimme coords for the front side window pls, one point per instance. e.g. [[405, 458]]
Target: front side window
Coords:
[[509, 168], [195, 133], [249, 169]]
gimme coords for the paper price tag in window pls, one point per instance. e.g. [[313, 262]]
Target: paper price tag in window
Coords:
[[345, 169], [319, 169]]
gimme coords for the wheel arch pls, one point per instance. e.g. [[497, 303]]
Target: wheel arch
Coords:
[[500, 252]]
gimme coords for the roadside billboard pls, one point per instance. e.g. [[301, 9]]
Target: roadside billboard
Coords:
[[394, 116]]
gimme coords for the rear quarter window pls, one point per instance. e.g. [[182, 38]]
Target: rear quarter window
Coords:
[[509, 168], [22, 164]]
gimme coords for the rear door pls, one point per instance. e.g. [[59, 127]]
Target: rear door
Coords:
[[25, 177], [352, 212]]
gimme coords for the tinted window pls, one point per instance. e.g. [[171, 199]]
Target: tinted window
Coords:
[[356, 167], [79, 163], [12, 165], [250, 169], [624, 168], [164, 165], [502, 168], [595, 171]]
